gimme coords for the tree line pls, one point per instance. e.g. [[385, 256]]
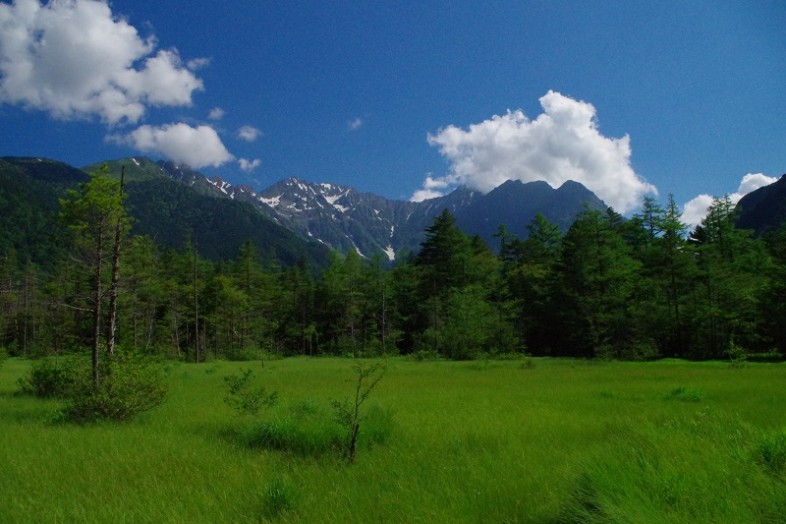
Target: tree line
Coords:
[[609, 287]]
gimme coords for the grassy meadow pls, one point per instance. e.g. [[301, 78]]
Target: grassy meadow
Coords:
[[540, 440]]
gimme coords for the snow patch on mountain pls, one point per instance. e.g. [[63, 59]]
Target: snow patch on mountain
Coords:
[[390, 252]]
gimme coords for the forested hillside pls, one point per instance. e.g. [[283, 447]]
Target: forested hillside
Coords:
[[29, 190], [609, 287], [173, 211]]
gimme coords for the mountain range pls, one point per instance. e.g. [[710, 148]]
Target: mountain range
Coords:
[[289, 220]]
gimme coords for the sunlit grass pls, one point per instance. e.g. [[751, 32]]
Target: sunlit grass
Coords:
[[492, 441]]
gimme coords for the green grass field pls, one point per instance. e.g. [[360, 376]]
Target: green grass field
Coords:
[[498, 441]]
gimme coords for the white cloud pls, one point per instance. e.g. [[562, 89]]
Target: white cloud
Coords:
[[216, 114], [432, 188], [248, 133], [198, 63], [194, 146], [355, 124], [696, 209], [751, 182], [75, 59], [249, 165], [561, 144]]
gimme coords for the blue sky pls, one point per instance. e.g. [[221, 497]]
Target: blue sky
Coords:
[[408, 99]]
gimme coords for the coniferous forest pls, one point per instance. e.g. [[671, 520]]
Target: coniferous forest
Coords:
[[643, 287]]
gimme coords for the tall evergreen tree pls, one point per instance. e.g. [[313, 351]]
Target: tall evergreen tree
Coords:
[[733, 268], [598, 276]]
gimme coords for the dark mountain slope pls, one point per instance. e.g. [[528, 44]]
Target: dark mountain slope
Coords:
[[763, 210], [515, 204]]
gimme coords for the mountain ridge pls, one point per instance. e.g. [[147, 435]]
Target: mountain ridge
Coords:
[[177, 202], [345, 219]]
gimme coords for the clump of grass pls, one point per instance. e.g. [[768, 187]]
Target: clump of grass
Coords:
[[280, 497], [377, 427], [527, 363], [584, 504], [770, 453], [305, 427], [303, 430], [684, 394]]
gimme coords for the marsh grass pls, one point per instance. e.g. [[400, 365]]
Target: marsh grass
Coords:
[[770, 453], [563, 441]]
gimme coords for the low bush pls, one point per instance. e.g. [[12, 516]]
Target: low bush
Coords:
[[737, 354], [54, 377], [243, 397], [130, 384]]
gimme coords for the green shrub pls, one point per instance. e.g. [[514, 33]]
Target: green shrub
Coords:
[[54, 377], [245, 399], [737, 354], [425, 354], [348, 412], [130, 384]]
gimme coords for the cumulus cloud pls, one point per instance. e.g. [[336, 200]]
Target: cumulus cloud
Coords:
[[248, 133], [194, 146], [249, 165], [751, 182], [695, 210], [563, 143], [75, 59], [355, 124]]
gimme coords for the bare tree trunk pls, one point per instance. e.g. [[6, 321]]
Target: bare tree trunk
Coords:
[[384, 321], [97, 296], [112, 324], [196, 307]]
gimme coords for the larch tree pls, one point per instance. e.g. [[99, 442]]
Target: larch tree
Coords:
[[95, 214]]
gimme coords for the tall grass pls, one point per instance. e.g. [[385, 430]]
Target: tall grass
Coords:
[[554, 441]]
